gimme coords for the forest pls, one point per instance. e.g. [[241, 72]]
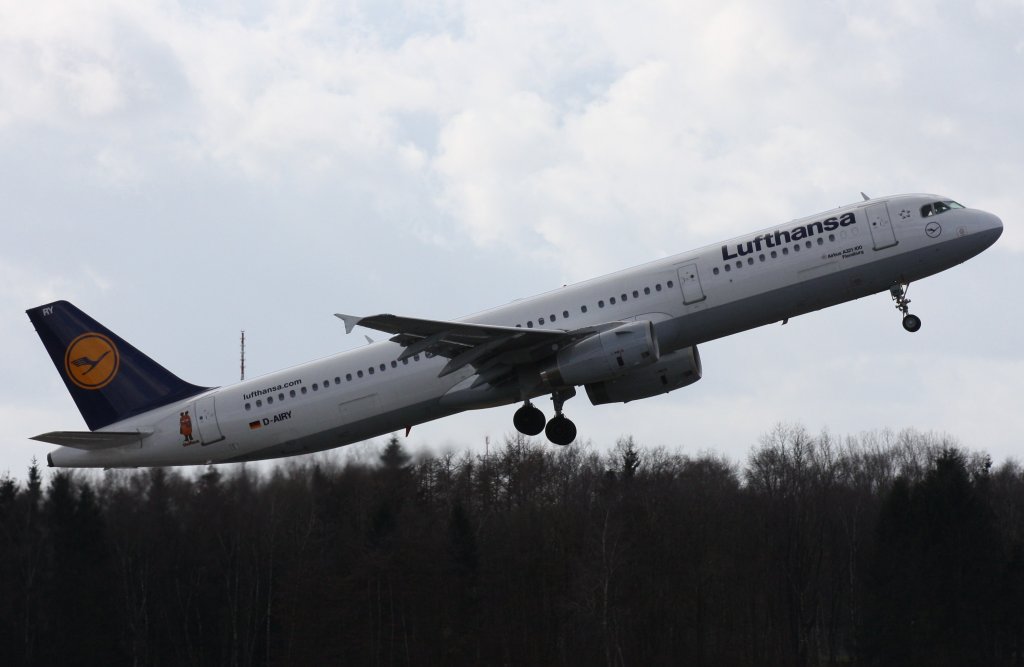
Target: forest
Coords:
[[878, 549]]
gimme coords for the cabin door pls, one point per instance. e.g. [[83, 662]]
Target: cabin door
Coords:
[[206, 420], [880, 226]]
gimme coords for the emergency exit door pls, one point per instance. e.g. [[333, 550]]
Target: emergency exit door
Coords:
[[689, 282]]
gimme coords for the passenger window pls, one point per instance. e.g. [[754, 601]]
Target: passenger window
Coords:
[[657, 288], [750, 261], [636, 294], [796, 247], [280, 396], [739, 263], [405, 362], [624, 297], [248, 406], [775, 255], [600, 304], [583, 309], [394, 364], [416, 358], [565, 314], [359, 374], [540, 320], [760, 257], [327, 383], [611, 301], [259, 403], [383, 367], [728, 268], [715, 270], [647, 290], [785, 251], [808, 243], [337, 380], [270, 400], [821, 241], [831, 237], [348, 377], [314, 386], [529, 325], [369, 370], [670, 284]]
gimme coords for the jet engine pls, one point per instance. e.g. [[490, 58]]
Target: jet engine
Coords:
[[672, 371], [604, 356]]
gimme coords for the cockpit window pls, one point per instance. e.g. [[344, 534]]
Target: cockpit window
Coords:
[[938, 207]]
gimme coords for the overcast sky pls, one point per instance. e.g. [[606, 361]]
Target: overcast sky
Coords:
[[182, 174]]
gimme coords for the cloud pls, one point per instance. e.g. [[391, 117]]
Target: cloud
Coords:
[[325, 149]]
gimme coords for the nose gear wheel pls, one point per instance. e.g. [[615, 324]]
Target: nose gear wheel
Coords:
[[898, 292]]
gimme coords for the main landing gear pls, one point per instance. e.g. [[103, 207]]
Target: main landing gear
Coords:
[[899, 294], [529, 420]]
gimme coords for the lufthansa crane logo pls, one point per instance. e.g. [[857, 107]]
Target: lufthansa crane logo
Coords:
[[91, 361]]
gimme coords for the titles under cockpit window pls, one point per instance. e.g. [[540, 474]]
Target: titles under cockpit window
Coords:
[[938, 207]]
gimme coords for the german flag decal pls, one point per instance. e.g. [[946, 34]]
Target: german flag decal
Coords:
[[255, 425]]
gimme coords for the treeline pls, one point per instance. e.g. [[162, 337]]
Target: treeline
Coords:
[[882, 549]]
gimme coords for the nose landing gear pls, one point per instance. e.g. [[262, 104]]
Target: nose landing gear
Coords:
[[899, 294]]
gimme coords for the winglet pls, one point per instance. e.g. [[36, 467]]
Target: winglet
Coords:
[[866, 198], [350, 321]]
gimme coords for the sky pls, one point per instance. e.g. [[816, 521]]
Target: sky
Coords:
[[183, 172]]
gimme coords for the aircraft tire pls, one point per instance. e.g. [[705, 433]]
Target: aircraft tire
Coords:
[[911, 323], [528, 420], [560, 430]]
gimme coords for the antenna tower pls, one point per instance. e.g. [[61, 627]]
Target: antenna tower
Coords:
[[243, 354]]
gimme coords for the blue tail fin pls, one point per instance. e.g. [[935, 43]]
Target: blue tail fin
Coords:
[[109, 379]]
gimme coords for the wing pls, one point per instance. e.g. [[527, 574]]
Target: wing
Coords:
[[492, 350], [92, 439]]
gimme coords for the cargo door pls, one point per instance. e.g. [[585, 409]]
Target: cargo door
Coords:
[[881, 226], [689, 282]]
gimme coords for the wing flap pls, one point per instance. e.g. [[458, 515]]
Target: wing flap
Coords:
[[90, 440]]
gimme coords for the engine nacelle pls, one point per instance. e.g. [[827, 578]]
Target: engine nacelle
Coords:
[[675, 370], [604, 356]]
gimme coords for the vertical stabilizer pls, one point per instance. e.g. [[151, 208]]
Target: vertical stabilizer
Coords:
[[109, 379]]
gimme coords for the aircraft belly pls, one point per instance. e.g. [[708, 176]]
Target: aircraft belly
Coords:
[[364, 428]]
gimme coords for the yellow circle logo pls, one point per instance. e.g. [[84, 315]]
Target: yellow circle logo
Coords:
[[91, 361]]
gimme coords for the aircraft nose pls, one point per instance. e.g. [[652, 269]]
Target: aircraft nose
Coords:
[[991, 228], [997, 226]]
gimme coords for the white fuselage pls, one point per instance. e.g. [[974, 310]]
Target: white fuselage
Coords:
[[693, 297]]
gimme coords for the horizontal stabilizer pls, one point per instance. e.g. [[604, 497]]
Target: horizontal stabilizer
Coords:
[[89, 440]]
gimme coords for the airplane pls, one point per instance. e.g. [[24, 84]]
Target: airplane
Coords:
[[622, 337]]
